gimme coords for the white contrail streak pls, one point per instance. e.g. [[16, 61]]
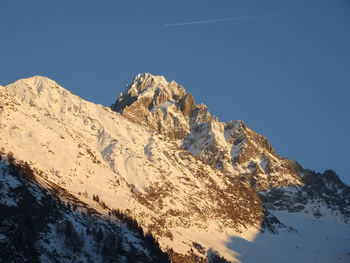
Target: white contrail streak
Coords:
[[221, 20]]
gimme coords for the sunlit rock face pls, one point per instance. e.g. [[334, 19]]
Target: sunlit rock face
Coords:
[[168, 109], [162, 106]]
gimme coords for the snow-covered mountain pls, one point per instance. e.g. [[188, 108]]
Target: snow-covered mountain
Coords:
[[199, 186]]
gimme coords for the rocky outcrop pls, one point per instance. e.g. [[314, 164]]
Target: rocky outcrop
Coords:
[[321, 195], [161, 106]]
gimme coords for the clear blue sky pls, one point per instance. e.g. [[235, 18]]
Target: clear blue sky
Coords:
[[286, 75]]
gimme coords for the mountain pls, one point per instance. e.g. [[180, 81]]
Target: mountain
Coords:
[[202, 190], [232, 147]]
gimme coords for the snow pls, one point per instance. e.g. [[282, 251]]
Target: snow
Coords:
[[263, 162], [325, 213], [2, 237], [8, 182], [314, 241], [83, 146], [236, 149], [212, 239], [162, 106], [152, 83]]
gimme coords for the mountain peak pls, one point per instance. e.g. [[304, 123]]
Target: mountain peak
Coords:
[[36, 82], [162, 106], [38, 91], [166, 108], [146, 85], [141, 77], [36, 87]]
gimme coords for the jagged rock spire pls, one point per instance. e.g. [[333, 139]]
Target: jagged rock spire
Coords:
[[162, 106]]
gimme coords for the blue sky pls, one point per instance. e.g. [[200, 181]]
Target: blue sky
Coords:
[[287, 75]]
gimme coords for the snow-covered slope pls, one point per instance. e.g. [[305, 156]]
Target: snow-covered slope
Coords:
[[313, 240], [193, 182], [41, 222]]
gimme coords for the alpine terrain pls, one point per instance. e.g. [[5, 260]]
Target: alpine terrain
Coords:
[[154, 178]]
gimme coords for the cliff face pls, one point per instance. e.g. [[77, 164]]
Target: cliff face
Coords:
[[161, 106]]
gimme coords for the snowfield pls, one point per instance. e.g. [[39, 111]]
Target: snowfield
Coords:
[[312, 241]]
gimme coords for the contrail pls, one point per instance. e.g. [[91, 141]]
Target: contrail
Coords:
[[221, 20]]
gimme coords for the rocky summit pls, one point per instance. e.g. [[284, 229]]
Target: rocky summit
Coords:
[[154, 178], [166, 108]]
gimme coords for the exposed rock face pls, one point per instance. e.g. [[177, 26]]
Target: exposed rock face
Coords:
[[321, 195], [328, 188], [161, 106], [168, 109]]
